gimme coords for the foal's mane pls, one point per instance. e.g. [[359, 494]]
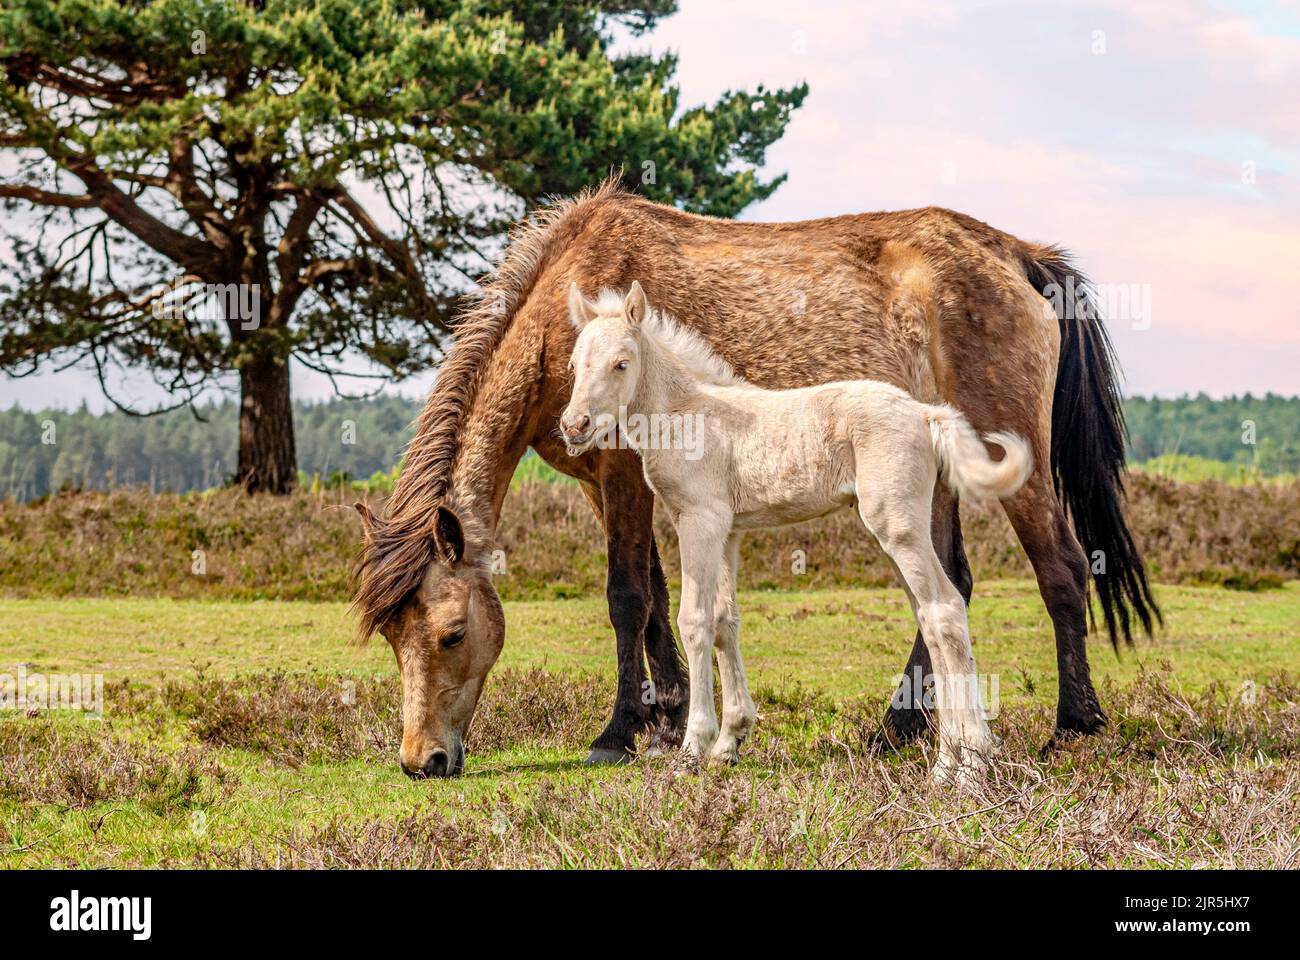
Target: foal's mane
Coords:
[[399, 550], [691, 351]]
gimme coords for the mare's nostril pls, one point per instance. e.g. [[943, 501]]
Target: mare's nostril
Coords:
[[438, 764]]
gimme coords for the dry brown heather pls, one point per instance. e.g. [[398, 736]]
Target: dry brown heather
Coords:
[[296, 719], [1175, 781], [44, 762], [302, 547]]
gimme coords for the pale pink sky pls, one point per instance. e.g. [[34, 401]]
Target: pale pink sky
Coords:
[[1123, 131], [1119, 130]]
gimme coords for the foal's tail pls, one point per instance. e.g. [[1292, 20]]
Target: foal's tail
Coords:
[[964, 462]]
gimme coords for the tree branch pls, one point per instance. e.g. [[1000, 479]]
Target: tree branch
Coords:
[[49, 198], [191, 253], [398, 252]]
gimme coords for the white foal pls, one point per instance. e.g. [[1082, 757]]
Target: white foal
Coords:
[[766, 458]]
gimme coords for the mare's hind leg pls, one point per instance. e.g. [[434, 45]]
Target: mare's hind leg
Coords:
[[908, 718], [900, 523], [1062, 571], [738, 710], [1017, 392]]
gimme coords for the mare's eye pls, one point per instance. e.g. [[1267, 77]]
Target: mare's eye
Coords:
[[453, 638], [621, 365]]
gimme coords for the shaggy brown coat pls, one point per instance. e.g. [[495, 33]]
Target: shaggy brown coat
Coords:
[[933, 301]]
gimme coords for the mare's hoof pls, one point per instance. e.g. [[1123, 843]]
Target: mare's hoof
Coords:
[[604, 755], [663, 741], [1069, 733], [900, 729]]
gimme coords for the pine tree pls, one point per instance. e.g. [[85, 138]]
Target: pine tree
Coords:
[[213, 188]]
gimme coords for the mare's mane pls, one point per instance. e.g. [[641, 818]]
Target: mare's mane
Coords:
[[399, 550]]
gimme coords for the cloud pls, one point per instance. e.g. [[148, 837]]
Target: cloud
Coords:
[[1160, 141]]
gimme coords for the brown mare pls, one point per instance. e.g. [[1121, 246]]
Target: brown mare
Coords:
[[932, 301]]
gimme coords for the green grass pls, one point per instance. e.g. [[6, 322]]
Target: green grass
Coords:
[[1186, 468], [533, 469], [197, 760], [845, 643]]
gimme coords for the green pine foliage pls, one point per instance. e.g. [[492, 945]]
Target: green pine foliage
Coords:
[[207, 188]]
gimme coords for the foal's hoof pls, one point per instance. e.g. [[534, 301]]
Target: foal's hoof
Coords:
[[725, 756], [606, 756], [695, 749], [966, 775]]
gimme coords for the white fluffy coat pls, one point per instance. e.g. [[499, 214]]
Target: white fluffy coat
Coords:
[[774, 457]]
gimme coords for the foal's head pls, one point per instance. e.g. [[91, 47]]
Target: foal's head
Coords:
[[606, 364], [429, 592]]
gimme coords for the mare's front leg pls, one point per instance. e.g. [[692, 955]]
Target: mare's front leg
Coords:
[[614, 484], [667, 668], [738, 710], [638, 593], [701, 537], [629, 610]]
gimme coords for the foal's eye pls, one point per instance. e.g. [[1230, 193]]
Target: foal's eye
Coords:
[[621, 365], [453, 638]]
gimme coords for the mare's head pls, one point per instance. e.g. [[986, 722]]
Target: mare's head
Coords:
[[606, 364], [428, 590]]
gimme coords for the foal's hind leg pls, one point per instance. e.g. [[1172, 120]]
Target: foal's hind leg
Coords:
[[908, 717], [902, 529], [737, 707]]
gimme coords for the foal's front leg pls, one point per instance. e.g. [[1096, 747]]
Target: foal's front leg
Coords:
[[701, 539], [737, 706]]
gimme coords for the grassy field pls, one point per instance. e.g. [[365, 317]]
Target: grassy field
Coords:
[[239, 733]]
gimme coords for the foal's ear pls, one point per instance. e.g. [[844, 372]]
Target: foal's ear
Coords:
[[581, 312], [448, 536], [634, 305]]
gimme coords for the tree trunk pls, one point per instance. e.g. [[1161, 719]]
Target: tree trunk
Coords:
[[267, 462]]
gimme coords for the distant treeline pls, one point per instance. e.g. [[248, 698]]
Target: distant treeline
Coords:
[[45, 451], [1262, 432]]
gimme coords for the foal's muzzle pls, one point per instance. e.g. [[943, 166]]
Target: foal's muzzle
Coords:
[[576, 428]]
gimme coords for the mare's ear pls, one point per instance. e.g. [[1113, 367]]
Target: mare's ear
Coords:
[[634, 305], [368, 520], [581, 312], [448, 536]]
